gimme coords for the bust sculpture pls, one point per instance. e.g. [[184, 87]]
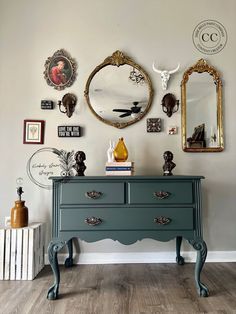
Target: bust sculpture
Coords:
[[79, 163], [169, 164]]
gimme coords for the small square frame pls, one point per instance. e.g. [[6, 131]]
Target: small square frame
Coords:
[[153, 125], [172, 130], [33, 132]]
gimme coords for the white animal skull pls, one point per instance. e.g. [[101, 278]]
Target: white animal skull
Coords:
[[165, 75]]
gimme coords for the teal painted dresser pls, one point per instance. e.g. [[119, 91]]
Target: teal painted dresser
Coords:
[[127, 209]]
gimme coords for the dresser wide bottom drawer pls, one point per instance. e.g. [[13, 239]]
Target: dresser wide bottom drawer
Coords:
[[126, 219]]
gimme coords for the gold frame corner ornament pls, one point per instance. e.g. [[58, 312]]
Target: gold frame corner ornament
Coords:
[[202, 66], [118, 58]]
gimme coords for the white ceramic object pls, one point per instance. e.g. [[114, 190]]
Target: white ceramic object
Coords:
[[110, 152], [165, 75]]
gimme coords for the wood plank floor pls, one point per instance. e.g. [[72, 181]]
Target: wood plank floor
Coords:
[[124, 289]]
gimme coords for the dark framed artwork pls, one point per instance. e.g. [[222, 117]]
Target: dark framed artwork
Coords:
[[60, 70], [33, 132], [154, 125]]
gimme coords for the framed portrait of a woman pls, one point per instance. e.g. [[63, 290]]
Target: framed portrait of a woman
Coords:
[[60, 70]]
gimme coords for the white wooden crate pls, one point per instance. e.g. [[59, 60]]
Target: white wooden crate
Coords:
[[22, 252]]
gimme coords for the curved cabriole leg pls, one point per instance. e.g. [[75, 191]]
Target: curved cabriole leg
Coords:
[[200, 246], [69, 260], [179, 258], [53, 248]]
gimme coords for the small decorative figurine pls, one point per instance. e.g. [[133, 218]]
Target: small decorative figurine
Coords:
[[169, 164], [79, 163], [165, 74], [19, 213], [120, 151], [110, 152]]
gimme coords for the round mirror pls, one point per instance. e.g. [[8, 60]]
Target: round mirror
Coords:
[[119, 92]]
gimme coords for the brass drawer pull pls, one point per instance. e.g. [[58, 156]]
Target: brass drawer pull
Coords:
[[162, 194], [93, 194], [93, 221], [162, 220]]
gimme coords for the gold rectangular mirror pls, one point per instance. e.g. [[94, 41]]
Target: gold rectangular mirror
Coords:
[[201, 105]]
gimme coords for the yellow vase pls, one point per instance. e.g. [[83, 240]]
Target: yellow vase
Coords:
[[19, 215], [121, 152]]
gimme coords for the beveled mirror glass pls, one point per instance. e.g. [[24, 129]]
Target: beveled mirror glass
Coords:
[[201, 104], [118, 91]]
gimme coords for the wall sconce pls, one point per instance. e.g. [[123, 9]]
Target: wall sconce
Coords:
[[169, 104], [69, 102]]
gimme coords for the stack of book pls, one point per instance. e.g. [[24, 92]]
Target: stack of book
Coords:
[[120, 168], [22, 252]]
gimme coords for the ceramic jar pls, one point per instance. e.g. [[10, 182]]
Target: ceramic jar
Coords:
[[19, 215]]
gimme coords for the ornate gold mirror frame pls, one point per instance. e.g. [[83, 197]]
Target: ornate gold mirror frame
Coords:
[[118, 59], [200, 67]]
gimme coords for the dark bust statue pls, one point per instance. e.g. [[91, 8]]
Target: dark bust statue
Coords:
[[79, 163], [169, 164]]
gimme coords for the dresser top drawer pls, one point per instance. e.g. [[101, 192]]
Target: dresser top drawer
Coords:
[[160, 192], [82, 193]]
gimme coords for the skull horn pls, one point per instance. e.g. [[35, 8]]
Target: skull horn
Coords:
[[175, 70], [155, 69]]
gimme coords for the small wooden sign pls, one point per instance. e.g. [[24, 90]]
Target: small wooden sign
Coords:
[[68, 131], [47, 104]]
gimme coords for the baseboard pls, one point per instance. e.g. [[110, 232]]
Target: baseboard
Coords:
[[148, 257]]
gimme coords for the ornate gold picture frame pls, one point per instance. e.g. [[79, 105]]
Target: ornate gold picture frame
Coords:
[[60, 70]]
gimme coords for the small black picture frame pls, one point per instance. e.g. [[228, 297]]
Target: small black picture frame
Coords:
[[47, 104], [68, 131]]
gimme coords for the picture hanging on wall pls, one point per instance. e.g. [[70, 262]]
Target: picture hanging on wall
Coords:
[[68, 131], [172, 129], [153, 125], [33, 132], [60, 70]]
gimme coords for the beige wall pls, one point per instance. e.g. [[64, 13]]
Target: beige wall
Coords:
[[31, 31]]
